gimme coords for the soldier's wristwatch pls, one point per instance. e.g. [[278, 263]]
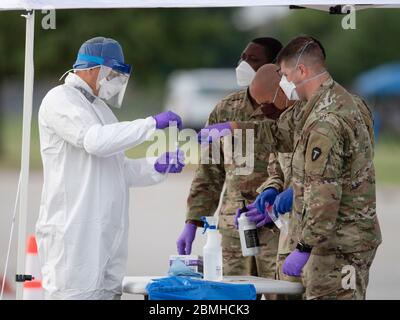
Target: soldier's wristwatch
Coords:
[[302, 247]]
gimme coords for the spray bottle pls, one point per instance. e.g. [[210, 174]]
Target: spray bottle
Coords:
[[248, 234], [212, 251]]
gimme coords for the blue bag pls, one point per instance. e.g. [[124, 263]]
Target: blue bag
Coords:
[[184, 288]]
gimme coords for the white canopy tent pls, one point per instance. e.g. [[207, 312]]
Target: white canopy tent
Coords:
[[79, 4], [30, 5]]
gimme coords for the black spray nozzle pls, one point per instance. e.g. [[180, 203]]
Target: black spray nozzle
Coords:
[[243, 208]]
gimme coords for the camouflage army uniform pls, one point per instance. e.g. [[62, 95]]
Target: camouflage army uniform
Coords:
[[279, 177], [333, 179], [208, 184]]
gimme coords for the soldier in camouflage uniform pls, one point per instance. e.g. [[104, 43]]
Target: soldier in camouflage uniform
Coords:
[[279, 174], [333, 177], [279, 177], [209, 180]]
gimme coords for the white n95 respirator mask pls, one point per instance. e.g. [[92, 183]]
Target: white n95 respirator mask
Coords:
[[110, 88], [244, 74], [289, 88]]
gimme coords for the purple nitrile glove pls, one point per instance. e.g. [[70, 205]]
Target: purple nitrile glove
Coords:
[[295, 262], [185, 240], [239, 213], [284, 201], [172, 162], [261, 219], [163, 120], [214, 132], [267, 197]]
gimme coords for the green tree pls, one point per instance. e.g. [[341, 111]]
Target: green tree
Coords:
[[155, 41], [349, 52]]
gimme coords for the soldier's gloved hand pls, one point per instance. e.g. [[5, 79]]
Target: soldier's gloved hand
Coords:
[[294, 263], [185, 240], [265, 199], [240, 211], [214, 132], [259, 218], [284, 201]]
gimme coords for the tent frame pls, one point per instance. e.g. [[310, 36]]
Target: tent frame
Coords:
[[25, 151]]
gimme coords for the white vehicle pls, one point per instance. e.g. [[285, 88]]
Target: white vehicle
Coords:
[[193, 94]]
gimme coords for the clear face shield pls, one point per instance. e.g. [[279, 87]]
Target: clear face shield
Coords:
[[112, 82]]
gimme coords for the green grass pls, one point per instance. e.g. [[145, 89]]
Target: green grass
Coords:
[[387, 153]]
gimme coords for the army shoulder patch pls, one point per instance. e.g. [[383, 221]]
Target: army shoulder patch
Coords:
[[316, 152]]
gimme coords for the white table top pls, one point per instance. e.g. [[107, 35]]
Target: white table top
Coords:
[[137, 285]]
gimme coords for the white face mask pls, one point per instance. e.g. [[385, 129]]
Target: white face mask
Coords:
[[289, 88], [111, 88], [244, 74]]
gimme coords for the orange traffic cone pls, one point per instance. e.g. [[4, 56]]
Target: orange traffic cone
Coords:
[[8, 290], [32, 289]]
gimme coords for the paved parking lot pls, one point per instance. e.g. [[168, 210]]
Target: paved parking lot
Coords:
[[157, 217]]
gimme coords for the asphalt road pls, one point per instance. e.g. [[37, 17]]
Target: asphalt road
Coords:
[[157, 217]]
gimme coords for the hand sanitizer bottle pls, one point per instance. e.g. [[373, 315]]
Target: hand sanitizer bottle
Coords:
[[248, 234]]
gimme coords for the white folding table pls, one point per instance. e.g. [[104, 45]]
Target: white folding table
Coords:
[[137, 285]]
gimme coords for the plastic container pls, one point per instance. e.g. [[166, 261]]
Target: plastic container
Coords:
[[279, 220], [212, 252], [194, 262], [248, 235]]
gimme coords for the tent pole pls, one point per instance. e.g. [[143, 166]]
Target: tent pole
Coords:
[[26, 135]]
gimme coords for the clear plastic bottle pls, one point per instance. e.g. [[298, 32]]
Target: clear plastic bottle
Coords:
[[212, 251], [279, 220]]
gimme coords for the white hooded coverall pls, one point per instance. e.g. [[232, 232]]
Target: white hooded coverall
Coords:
[[82, 229]]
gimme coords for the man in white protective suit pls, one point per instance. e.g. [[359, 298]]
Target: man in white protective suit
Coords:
[[82, 229]]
